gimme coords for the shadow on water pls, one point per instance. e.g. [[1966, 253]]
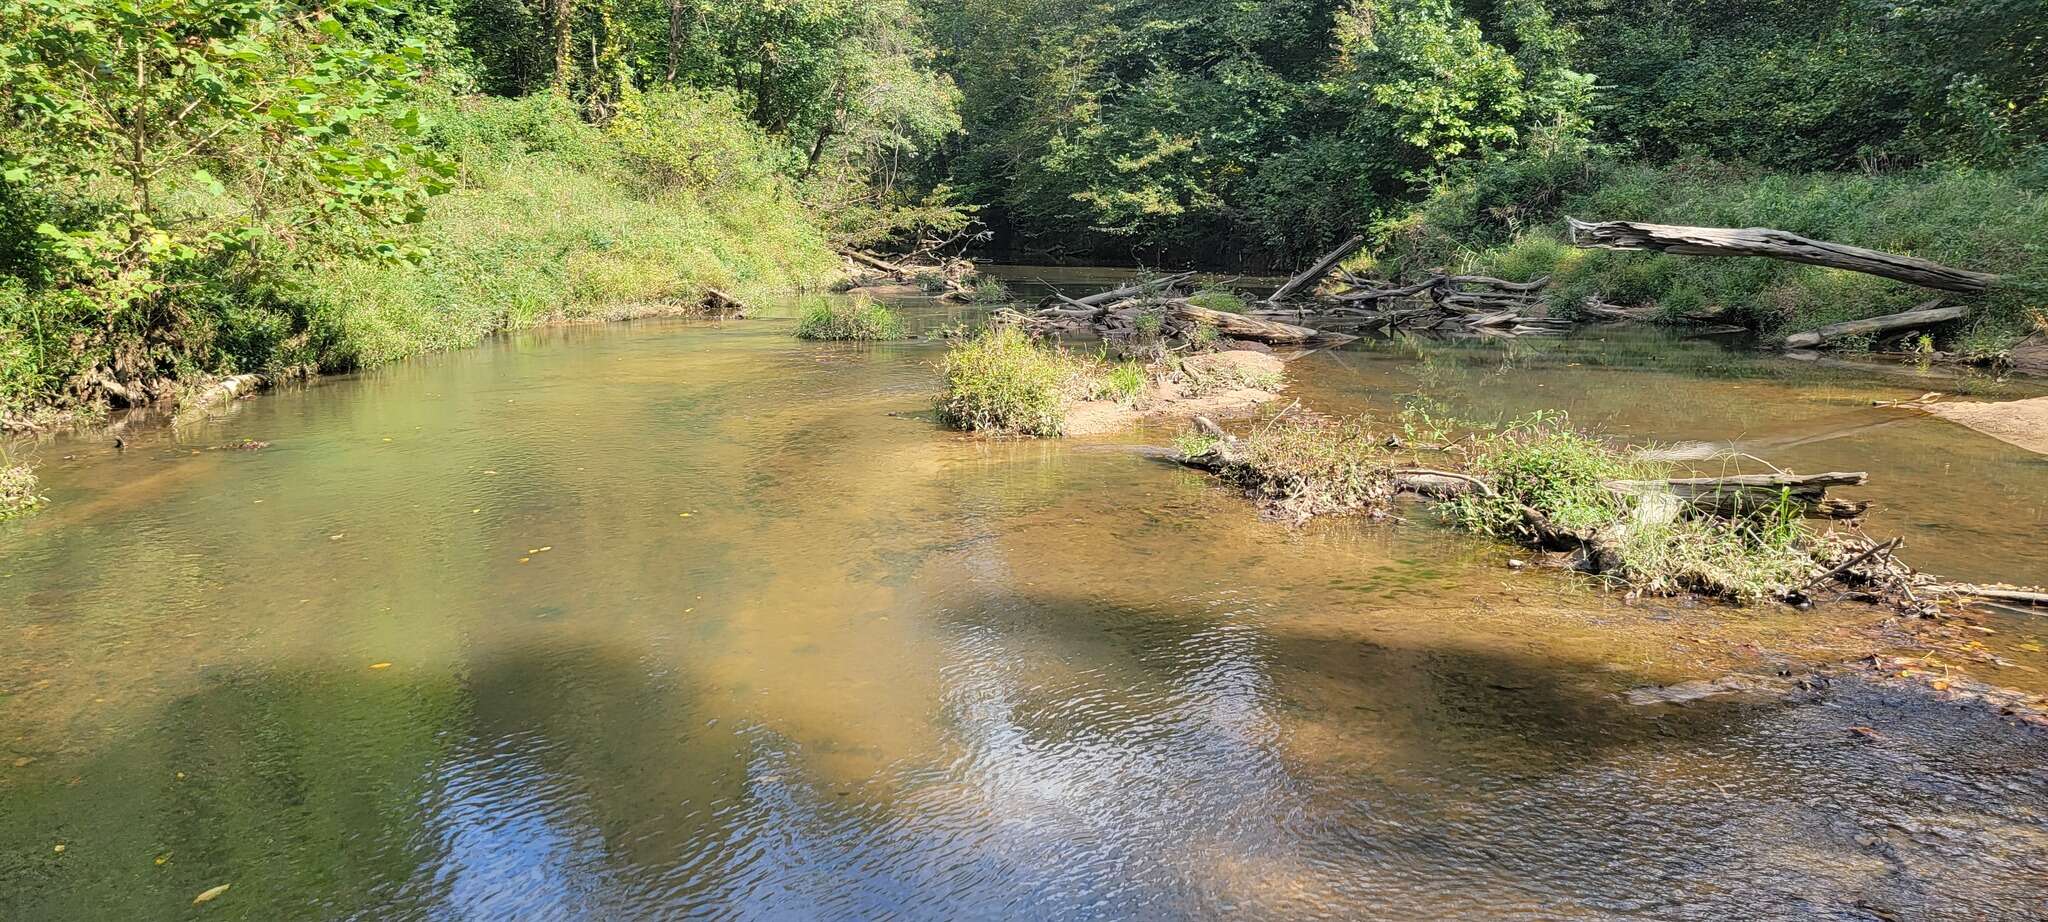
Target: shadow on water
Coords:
[[1093, 759]]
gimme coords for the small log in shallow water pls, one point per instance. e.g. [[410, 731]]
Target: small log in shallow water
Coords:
[[2002, 594], [1738, 495], [720, 302], [1925, 315], [1775, 244]]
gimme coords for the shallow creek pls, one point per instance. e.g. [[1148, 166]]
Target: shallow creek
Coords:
[[671, 618]]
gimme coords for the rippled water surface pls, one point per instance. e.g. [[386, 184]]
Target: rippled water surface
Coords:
[[665, 619]]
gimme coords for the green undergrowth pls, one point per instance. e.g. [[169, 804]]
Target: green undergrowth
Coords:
[[858, 318], [559, 220], [549, 219], [1507, 220], [1536, 471], [1002, 382]]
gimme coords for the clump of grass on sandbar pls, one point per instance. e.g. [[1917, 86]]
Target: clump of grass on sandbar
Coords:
[[1002, 381], [859, 318]]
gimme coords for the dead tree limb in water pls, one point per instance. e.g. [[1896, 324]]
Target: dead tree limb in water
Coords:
[[1313, 274], [1127, 291], [1775, 244], [1925, 315]]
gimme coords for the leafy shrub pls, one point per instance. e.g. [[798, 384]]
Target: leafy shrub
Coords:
[[857, 318], [1002, 381]]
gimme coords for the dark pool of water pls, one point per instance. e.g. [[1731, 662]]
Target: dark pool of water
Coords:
[[664, 619]]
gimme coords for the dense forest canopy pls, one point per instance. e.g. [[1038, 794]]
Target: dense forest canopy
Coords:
[[185, 185]]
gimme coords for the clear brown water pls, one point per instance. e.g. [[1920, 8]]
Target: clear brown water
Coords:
[[690, 619]]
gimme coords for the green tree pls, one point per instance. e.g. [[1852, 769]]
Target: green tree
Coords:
[[176, 142]]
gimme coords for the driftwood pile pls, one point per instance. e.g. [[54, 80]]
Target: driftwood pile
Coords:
[[945, 277], [1159, 310], [1300, 312], [1453, 304]]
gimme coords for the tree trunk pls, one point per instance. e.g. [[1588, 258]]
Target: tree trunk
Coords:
[[675, 39], [565, 28], [1775, 244], [1925, 315]]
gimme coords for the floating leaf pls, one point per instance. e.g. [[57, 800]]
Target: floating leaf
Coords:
[[209, 895]]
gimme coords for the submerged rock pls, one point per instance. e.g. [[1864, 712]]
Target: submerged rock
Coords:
[[1735, 687]]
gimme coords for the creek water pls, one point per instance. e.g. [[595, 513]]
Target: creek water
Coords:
[[673, 619]]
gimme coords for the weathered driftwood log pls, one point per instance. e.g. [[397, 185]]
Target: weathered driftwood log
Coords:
[[1594, 307], [1739, 495], [1308, 278], [1241, 326], [1775, 244], [1925, 315], [2001, 594]]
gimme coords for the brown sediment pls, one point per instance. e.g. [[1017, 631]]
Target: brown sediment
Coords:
[[1219, 384], [2015, 422]]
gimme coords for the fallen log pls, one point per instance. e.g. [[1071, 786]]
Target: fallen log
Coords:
[[1307, 278], [1381, 294], [877, 263], [1240, 326], [1499, 284], [1746, 493], [1925, 315], [1775, 244]]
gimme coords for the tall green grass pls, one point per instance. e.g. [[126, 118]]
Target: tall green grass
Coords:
[[859, 318], [558, 220], [1003, 382], [553, 219]]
